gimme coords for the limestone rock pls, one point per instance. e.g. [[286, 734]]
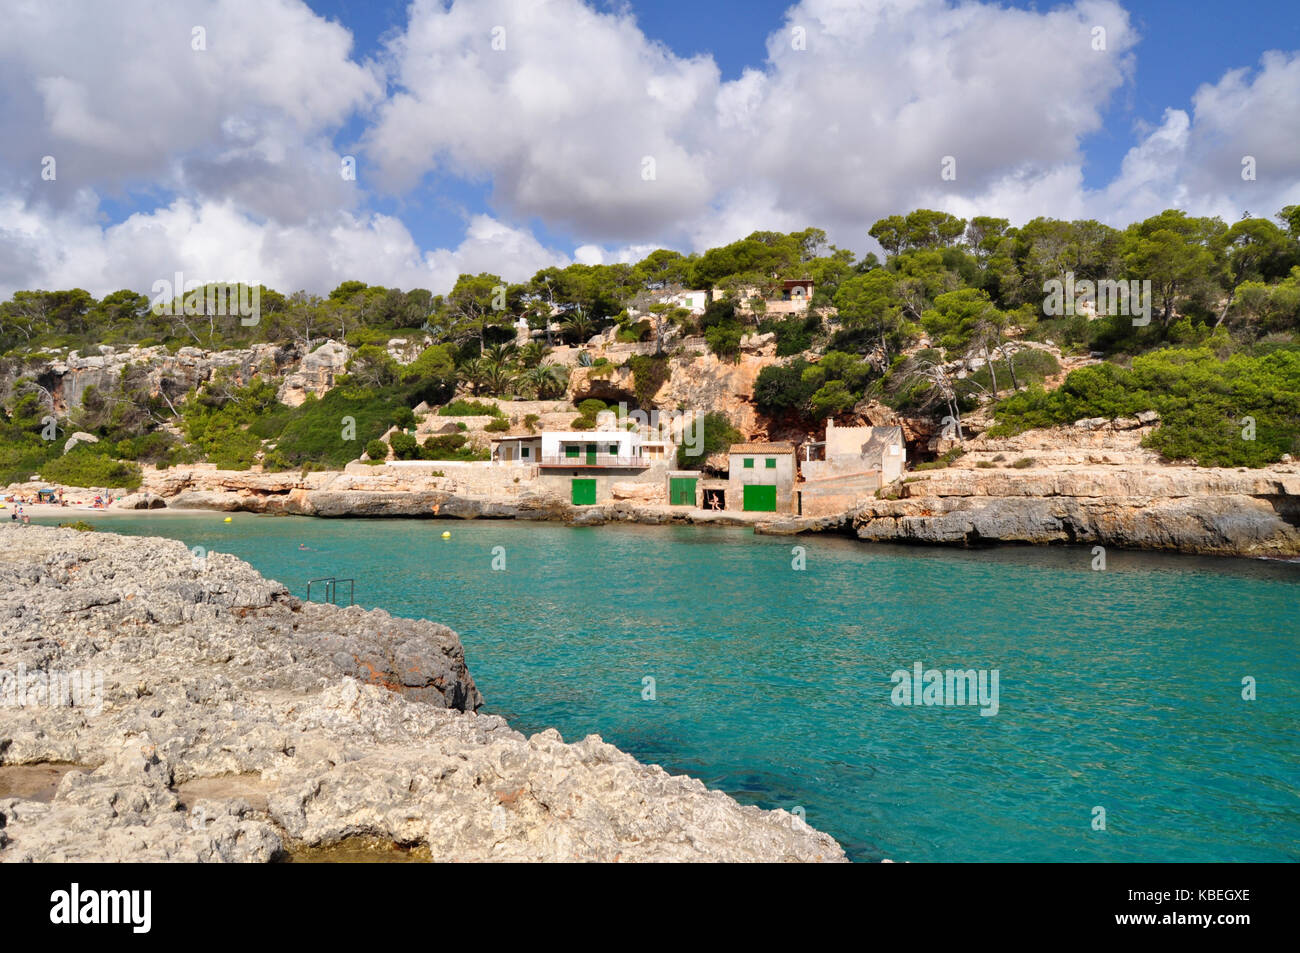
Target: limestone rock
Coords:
[[77, 438], [234, 723]]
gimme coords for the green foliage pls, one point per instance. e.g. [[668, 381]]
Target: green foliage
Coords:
[[406, 447], [498, 425], [377, 450], [470, 408], [81, 526], [85, 466], [716, 436], [649, 373], [1205, 403], [450, 447], [794, 335]]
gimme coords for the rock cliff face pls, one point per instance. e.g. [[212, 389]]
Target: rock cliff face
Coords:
[[200, 712], [68, 378], [1183, 509]]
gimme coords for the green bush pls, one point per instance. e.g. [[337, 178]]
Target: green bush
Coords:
[[450, 447], [1240, 411], [499, 425], [404, 446], [470, 408], [648, 375], [377, 450], [716, 435], [86, 467]]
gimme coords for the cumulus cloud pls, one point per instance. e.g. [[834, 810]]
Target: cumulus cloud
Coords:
[[579, 123], [229, 98], [213, 241], [850, 118], [1249, 121]]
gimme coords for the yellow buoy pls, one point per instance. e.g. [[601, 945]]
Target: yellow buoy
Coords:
[[226, 520], [446, 535]]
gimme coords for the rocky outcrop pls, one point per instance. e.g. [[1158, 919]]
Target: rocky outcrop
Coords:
[[200, 712], [315, 374], [68, 378], [1183, 509]]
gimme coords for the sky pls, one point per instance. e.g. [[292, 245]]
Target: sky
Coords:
[[302, 144]]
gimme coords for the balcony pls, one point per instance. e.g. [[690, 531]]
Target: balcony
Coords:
[[585, 459]]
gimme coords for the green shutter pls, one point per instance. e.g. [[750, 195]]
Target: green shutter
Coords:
[[584, 492], [761, 499], [591, 454], [749, 463], [613, 449], [523, 453], [771, 463], [572, 452], [681, 491]]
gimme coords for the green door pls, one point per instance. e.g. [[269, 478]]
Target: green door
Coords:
[[761, 499], [681, 491], [591, 457], [584, 492]]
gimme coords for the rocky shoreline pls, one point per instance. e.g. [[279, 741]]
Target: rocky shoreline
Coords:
[[161, 705], [1091, 484]]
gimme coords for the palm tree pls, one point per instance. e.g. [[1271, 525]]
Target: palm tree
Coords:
[[472, 373], [531, 354], [579, 327], [546, 381], [497, 377], [501, 353]]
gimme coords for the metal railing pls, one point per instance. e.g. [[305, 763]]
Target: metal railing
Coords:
[[331, 589], [586, 459]]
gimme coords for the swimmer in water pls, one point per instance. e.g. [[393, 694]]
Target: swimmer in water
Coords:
[[304, 547]]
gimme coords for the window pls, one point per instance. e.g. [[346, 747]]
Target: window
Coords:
[[749, 463], [613, 449], [523, 453], [771, 463], [572, 452]]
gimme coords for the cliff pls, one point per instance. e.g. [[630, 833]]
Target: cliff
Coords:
[[199, 712]]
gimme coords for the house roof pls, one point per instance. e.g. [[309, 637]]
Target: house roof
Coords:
[[761, 448]]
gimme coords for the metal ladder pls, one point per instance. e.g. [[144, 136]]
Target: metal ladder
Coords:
[[331, 589]]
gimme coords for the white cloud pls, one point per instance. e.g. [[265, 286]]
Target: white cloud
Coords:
[[231, 154], [1195, 161]]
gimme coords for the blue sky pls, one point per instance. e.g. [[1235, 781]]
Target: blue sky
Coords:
[[1182, 46], [473, 158]]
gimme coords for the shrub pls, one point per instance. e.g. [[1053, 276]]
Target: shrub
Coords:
[[450, 447], [88, 468], [531, 421], [1024, 463], [499, 425], [81, 526], [716, 435], [405, 446], [377, 450], [648, 375], [470, 408], [1207, 404]]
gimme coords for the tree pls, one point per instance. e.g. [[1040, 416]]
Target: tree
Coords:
[[1171, 251], [475, 304], [1253, 247]]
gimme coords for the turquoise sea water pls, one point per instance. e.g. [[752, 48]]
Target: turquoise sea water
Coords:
[[1119, 689]]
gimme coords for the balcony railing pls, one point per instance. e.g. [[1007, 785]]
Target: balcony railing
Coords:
[[585, 459]]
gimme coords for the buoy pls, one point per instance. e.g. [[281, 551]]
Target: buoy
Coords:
[[446, 535], [226, 520]]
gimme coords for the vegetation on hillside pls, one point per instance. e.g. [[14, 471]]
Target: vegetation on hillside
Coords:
[[1218, 344]]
